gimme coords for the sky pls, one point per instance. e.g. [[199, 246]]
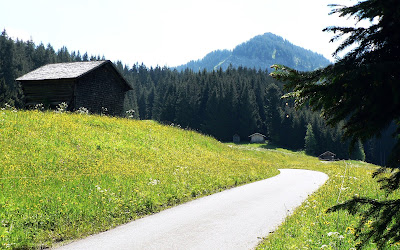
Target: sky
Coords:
[[168, 32]]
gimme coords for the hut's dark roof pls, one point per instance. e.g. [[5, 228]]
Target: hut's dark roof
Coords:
[[257, 134], [66, 71], [328, 153]]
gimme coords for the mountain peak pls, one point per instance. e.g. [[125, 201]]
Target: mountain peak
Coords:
[[260, 52]]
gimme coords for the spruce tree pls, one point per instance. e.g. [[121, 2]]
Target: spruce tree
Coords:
[[363, 89], [85, 57], [358, 152], [310, 143], [272, 112], [50, 54], [4, 93], [39, 58]]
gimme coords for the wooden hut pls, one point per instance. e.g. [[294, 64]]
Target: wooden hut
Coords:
[[93, 85], [327, 156], [257, 138], [236, 138]]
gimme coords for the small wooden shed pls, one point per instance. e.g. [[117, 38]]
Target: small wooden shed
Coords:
[[327, 156], [257, 138], [236, 138], [93, 85]]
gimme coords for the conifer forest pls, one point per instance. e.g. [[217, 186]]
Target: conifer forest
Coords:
[[219, 103]]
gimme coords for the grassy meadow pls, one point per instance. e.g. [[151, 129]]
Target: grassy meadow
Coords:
[[64, 176], [310, 227]]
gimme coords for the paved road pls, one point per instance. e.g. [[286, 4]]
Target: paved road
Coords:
[[232, 219]]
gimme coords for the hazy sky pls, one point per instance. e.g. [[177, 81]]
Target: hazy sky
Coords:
[[169, 32]]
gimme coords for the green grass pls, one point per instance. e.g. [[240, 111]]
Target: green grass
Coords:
[[310, 227], [65, 176]]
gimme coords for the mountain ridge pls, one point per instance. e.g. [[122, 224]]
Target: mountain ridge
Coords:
[[259, 52]]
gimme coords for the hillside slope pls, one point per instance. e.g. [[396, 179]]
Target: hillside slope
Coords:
[[64, 176], [260, 52]]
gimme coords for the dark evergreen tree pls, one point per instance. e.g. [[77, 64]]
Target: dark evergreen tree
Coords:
[[78, 57], [272, 112], [8, 72], [39, 57], [85, 57], [63, 55], [4, 93], [50, 54], [130, 103], [27, 56], [184, 112], [248, 116], [310, 143], [7, 66], [211, 124], [362, 89], [358, 152]]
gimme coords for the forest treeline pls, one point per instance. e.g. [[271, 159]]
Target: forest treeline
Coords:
[[238, 101], [20, 57], [219, 103]]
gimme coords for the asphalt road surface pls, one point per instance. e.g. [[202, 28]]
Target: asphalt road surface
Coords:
[[233, 219]]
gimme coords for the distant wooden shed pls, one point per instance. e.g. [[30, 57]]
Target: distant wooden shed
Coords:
[[93, 85], [327, 156], [257, 138]]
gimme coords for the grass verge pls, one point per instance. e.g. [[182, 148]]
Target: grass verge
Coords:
[[310, 227]]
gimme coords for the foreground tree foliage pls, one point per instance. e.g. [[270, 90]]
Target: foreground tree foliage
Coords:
[[363, 89]]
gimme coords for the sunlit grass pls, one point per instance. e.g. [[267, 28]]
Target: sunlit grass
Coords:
[[310, 227], [65, 176]]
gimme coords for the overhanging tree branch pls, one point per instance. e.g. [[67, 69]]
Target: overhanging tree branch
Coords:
[[362, 89]]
